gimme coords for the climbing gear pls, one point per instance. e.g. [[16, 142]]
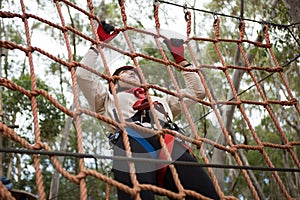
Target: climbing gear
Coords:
[[128, 67], [119, 70], [113, 138], [106, 32], [144, 142], [143, 115], [142, 106], [176, 48], [169, 141]]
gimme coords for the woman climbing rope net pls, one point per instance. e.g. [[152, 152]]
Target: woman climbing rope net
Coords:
[[135, 108]]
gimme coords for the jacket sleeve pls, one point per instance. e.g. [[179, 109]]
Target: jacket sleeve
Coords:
[[91, 87], [193, 88]]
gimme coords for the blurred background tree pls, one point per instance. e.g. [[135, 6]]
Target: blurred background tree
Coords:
[[58, 129]]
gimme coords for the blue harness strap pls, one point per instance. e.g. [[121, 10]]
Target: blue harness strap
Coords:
[[140, 139]]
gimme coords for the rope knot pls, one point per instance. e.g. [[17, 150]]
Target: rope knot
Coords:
[[34, 93], [38, 145], [72, 65], [294, 101]]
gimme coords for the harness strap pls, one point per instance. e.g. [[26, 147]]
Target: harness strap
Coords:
[[169, 140], [142, 104], [140, 139]]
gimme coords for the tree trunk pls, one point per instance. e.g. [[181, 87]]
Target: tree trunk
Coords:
[[293, 7], [219, 157], [1, 112], [1, 136], [63, 145], [290, 181]]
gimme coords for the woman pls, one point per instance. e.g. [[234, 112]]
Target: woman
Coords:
[[136, 109]]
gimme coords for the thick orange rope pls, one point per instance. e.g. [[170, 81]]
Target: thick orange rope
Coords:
[[198, 141]]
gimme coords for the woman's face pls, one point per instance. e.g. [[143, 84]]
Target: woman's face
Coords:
[[128, 75]]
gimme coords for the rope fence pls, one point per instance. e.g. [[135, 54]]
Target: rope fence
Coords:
[[40, 148]]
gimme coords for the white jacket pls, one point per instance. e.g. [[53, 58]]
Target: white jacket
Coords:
[[102, 101]]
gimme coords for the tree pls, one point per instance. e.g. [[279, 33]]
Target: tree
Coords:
[[62, 135], [228, 110]]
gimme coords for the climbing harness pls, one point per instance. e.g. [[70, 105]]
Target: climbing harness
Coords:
[[144, 115]]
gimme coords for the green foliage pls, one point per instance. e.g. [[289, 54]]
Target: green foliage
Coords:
[[51, 119], [155, 73], [285, 48], [16, 35]]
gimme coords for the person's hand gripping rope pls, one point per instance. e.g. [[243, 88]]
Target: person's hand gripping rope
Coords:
[[176, 48], [106, 32]]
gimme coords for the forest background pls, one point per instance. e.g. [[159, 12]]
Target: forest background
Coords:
[[58, 130]]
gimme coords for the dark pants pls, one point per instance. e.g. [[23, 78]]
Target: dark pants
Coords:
[[191, 177]]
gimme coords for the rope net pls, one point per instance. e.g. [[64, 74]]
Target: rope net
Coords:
[[258, 145]]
